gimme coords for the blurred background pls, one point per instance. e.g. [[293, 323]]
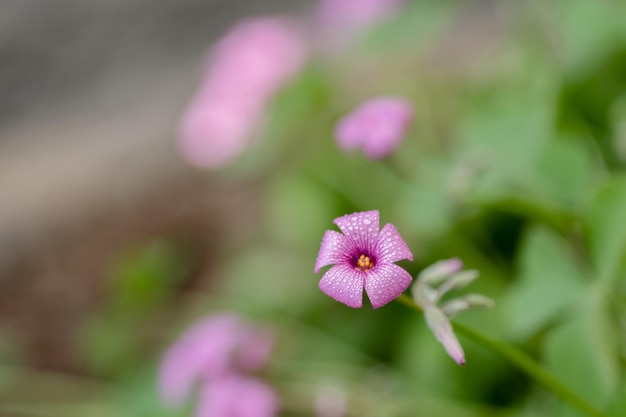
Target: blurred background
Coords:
[[91, 97], [90, 175], [112, 243]]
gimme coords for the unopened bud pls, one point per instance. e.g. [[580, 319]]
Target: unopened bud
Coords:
[[465, 303], [440, 325], [459, 280], [439, 271]]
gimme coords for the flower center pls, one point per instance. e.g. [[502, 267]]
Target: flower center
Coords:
[[364, 263]]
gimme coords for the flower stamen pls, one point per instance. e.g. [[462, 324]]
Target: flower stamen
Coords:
[[364, 263]]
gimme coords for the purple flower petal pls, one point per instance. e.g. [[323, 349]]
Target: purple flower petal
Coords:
[[236, 396], [349, 134], [386, 282], [363, 258], [377, 126], [246, 68], [203, 350], [211, 348], [256, 345], [345, 284], [390, 246], [335, 249], [362, 228]]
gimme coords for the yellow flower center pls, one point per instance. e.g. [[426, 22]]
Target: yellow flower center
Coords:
[[364, 263]]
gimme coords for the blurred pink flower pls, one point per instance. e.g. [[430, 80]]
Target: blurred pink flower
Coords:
[[245, 69], [236, 396], [346, 15], [363, 257], [215, 350], [377, 126]]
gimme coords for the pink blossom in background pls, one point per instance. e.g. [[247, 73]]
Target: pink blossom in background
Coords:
[[217, 353], [377, 126], [346, 15], [213, 134], [363, 258], [258, 56], [245, 69], [237, 396]]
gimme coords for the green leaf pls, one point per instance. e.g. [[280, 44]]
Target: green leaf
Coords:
[[617, 116], [413, 29], [300, 210], [270, 277], [504, 133], [618, 408], [563, 172], [138, 396], [423, 212], [581, 353], [423, 358], [607, 229], [507, 131], [549, 285], [145, 276], [590, 31], [109, 344]]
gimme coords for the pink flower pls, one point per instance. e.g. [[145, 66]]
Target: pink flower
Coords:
[[246, 68], [363, 257], [355, 14], [236, 396], [214, 353], [376, 126]]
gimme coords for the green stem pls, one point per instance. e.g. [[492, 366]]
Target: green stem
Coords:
[[522, 360]]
